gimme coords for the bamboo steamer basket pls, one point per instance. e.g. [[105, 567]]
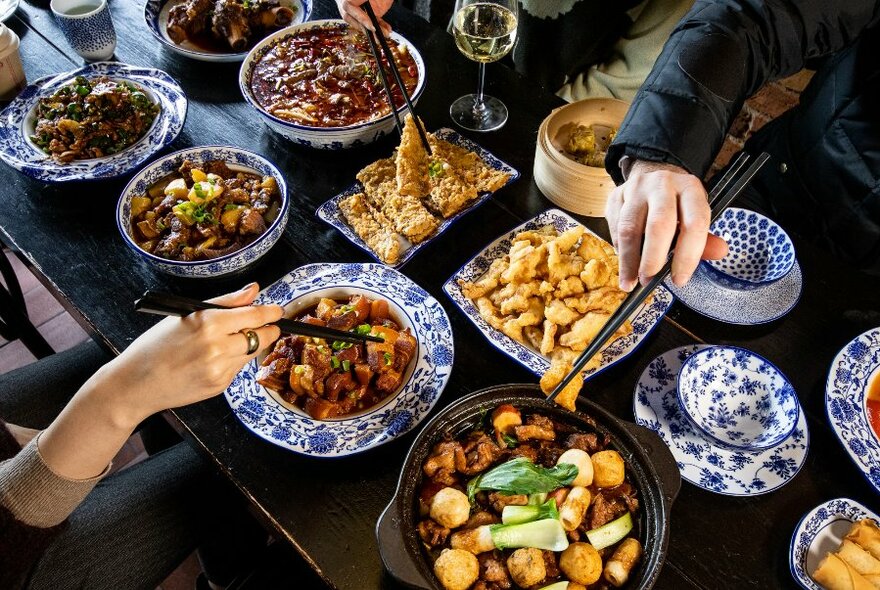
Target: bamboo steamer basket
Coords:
[[568, 184]]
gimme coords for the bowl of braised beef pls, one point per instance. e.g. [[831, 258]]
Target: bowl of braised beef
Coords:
[[318, 85], [504, 489], [204, 211]]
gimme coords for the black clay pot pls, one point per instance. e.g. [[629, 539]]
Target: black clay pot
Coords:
[[651, 467]]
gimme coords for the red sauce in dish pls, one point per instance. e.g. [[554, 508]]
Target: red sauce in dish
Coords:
[[327, 77], [873, 404]]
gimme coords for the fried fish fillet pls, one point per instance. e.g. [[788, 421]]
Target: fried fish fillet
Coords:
[[372, 227], [412, 162], [406, 213], [459, 176]]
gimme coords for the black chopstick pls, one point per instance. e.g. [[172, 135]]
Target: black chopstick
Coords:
[[721, 198], [393, 65], [169, 304], [385, 82]]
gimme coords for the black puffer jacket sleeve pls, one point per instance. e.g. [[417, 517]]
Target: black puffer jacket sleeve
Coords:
[[720, 53]]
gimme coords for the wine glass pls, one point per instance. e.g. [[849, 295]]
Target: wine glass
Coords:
[[485, 31]]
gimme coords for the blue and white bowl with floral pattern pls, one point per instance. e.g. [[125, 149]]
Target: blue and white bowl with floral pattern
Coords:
[[268, 416], [852, 372], [701, 461], [327, 138], [236, 159], [18, 120], [156, 18], [760, 251], [820, 532], [737, 398]]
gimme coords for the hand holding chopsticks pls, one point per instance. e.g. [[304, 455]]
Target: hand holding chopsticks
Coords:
[[175, 305], [392, 64], [727, 189]]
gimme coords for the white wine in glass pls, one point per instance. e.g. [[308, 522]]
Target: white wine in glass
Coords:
[[485, 31]]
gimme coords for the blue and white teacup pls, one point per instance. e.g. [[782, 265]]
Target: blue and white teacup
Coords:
[[87, 26]]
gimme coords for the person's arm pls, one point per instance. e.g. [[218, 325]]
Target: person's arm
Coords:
[[718, 55], [178, 361]]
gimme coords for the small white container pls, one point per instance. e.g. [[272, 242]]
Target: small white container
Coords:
[[12, 78]]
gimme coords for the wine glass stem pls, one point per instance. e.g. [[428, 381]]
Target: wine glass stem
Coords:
[[479, 105]]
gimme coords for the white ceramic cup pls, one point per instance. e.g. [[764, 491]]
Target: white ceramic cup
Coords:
[[87, 26]]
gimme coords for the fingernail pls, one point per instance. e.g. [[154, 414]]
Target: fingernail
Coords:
[[679, 279], [627, 284], [249, 286]]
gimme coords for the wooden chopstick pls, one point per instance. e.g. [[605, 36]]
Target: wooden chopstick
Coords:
[[721, 200], [394, 70], [176, 305]]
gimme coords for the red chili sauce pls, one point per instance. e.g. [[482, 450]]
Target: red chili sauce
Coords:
[[327, 77], [872, 404]]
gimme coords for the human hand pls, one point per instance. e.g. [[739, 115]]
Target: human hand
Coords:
[[180, 361], [656, 200], [351, 11]]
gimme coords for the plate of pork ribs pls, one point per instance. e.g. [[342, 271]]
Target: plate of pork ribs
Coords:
[[220, 30]]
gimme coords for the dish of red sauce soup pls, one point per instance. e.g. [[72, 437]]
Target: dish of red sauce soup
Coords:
[[327, 77], [872, 404]]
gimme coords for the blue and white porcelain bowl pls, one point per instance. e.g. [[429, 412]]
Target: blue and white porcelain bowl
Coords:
[[269, 417], [737, 398], [18, 120], [156, 18], [236, 159], [328, 138], [760, 251]]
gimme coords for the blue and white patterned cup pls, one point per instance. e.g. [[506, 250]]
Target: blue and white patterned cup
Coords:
[[87, 26]]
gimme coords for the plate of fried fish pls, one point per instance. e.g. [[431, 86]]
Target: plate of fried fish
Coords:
[[542, 292], [401, 203]]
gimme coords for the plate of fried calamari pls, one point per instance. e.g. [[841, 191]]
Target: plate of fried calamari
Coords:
[[541, 293], [401, 203]]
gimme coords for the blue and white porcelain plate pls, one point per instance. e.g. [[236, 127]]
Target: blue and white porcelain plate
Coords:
[[330, 212], [156, 17], [7, 8], [845, 391], [820, 532], [643, 321], [269, 419], [17, 123], [707, 293], [701, 462]]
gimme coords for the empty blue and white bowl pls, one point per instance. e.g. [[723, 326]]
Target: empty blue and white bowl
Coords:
[[236, 159], [327, 138], [737, 398], [760, 251]]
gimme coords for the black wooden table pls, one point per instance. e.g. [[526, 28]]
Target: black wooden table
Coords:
[[327, 509]]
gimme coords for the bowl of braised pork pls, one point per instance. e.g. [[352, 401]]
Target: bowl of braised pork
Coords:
[[318, 85], [329, 398], [504, 489], [204, 211]]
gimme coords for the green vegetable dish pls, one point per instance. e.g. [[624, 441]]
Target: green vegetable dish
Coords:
[[92, 118], [525, 501]]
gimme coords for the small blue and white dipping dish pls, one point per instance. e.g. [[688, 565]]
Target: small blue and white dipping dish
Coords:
[[237, 160], [760, 251], [737, 398], [326, 138]]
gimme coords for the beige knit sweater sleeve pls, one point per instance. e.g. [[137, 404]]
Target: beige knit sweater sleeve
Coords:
[[34, 494]]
